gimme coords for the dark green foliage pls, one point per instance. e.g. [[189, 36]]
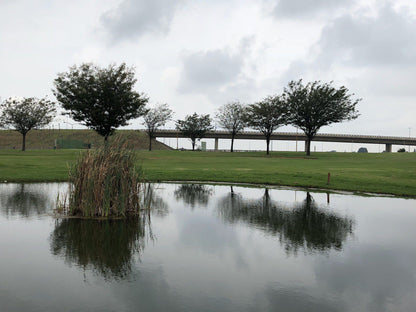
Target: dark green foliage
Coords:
[[26, 114], [154, 118], [317, 104], [231, 117], [104, 183], [266, 116], [401, 150], [194, 127], [103, 99]]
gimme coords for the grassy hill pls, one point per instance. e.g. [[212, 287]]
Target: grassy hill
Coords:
[[46, 139]]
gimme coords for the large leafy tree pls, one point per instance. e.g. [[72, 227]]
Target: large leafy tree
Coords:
[[231, 117], [266, 116], [317, 104], [103, 99], [154, 118], [194, 127], [26, 114]]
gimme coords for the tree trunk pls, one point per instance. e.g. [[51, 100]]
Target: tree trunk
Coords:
[[268, 144], [232, 142], [105, 142], [150, 143], [193, 145], [308, 146], [24, 142]]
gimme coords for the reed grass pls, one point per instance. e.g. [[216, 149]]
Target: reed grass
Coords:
[[104, 183]]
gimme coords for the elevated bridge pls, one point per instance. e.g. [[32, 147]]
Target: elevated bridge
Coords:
[[389, 141]]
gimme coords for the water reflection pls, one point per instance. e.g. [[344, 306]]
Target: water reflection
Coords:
[[302, 226], [374, 275], [108, 247], [223, 258], [193, 194], [24, 201], [151, 201]]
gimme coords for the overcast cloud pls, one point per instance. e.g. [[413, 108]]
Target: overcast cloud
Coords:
[[360, 41], [209, 70], [308, 8], [198, 55], [134, 18]]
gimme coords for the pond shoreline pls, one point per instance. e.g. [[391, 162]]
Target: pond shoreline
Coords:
[[379, 174], [254, 185]]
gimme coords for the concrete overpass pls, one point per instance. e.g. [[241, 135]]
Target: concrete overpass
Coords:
[[389, 141]]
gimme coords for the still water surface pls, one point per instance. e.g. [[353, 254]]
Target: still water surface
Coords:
[[210, 248]]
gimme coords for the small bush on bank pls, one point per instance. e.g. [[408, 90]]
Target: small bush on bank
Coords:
[[103, 183]]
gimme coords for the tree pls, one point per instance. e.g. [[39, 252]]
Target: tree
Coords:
[[231, 117], [266, 116], [26, 114], [194, 127], [155, 118], [103, 99], [317, 104]]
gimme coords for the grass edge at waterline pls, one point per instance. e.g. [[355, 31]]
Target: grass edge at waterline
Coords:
[[383, 173]]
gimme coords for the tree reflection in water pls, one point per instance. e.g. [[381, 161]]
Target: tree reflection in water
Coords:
[[193, 194], [303, 226], [150, 201], [106, 247], [24, 201]]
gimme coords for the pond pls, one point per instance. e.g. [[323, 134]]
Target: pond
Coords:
[[210, 248]]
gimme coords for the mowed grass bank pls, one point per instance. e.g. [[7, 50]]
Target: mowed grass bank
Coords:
[[393, 173], [36, 165]]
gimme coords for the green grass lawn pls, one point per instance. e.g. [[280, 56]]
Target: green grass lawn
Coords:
[[393, 173]]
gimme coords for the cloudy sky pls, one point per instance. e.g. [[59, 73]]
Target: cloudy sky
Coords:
[[196, 55]]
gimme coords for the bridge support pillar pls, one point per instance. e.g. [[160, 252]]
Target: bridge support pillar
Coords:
[[216, 145], [388, 148]]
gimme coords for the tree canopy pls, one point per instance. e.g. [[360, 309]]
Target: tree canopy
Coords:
[[266, 116], [103, 99], [317, 104], [26, 114], [194, 127], [154, 118], [231, 117]]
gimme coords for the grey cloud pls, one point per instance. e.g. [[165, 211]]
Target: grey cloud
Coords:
[[388, 39], [304, 8], [382, 47], [220, 75], [133, 18], [209, 70]]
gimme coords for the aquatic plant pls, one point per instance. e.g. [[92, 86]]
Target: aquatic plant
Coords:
[[103, 183]]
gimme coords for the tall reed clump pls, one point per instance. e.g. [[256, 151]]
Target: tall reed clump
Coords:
[[104, 183]]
